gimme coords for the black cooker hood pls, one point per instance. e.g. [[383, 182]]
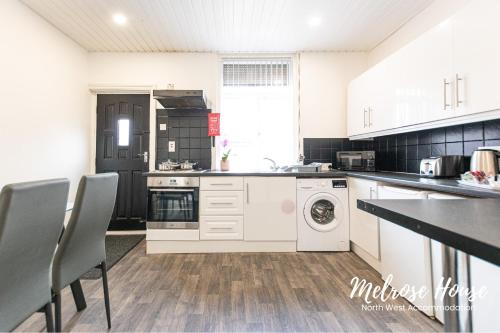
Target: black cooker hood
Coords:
[[181, 99]]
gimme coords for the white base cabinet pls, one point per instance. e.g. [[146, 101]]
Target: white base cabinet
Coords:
[[405, 254], [221, 227], [221, 208], [364, 227], [270, 209]]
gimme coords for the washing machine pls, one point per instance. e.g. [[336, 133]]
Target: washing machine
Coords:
[[322, 214]]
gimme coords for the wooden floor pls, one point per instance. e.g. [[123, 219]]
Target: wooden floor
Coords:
[[233, 292]]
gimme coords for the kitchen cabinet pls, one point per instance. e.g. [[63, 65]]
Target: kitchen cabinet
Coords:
[[221, 227], [405, 254], [485, 310], [447, 75], [221, 208], [221, 183], [270, 209], [221, 202], [364, 227], [476, 50], [358, 101]]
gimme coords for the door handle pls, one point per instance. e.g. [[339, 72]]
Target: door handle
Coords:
[[248, 194], [457, 98], [364, 118], [145, 156], [370, 118], [445, 104]]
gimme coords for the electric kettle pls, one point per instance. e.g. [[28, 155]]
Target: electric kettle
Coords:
[[486, 159]]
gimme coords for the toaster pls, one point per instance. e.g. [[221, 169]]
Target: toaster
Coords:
[[442, 166]]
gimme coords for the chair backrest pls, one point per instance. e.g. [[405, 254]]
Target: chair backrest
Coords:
[[31, 220], [82, 244]]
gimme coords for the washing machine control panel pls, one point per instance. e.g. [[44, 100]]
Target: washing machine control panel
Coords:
[[339, 183]]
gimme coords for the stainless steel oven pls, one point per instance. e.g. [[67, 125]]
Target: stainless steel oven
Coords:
[[173, 202]]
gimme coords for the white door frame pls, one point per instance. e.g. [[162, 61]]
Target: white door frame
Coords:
[[128, 90]]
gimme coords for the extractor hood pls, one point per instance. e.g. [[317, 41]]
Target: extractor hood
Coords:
[[181, 99]]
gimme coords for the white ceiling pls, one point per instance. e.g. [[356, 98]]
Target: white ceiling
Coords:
[[228, 25]]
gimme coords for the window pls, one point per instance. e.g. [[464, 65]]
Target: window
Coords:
[[257, 116], [123, 132]]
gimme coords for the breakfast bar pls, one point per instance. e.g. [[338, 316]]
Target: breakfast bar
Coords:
[[464, 227]]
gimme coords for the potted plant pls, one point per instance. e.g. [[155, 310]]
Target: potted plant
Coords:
[[224, 163]]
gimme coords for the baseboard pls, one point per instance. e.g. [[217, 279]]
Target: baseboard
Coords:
[[198, 246], [126, 232], [368, 258]]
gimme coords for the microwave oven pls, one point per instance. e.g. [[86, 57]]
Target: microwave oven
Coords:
[[356, 160]]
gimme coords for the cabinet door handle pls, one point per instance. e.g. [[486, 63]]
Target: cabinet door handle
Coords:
[[370, 117], [364, 118], [248, 194], [221, 228], [457, 98], [445, 104]]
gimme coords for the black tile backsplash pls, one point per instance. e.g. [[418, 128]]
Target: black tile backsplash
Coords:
[[189, 130], [403, 152], [324, 150]]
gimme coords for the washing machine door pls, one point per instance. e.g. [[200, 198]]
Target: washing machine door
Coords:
[[323, 212]]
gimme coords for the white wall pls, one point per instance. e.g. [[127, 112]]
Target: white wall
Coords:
[[437, 12], [44, 124], [324, 77], [184, 70]]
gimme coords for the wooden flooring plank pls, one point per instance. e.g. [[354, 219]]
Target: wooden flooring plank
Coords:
[[227, 292]]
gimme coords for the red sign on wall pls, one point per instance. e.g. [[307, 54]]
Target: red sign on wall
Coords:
[[213, 124]]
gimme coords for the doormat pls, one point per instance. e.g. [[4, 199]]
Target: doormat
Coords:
[[117, 246]]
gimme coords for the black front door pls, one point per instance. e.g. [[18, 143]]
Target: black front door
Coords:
[[123, 147]]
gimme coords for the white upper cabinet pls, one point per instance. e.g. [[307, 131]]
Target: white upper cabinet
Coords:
[[447, 73], [420, 78], [476, 56], [357, 101]]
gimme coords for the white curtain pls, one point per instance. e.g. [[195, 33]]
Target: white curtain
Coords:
[[257, 112]]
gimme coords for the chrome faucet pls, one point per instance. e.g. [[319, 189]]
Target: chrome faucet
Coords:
[[274, 167]]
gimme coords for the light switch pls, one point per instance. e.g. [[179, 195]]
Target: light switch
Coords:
[[163, 127], [171, 146]]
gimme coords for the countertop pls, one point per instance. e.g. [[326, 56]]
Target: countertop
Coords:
[[402, 179], [215, 173], [472, 226], [431, 184]]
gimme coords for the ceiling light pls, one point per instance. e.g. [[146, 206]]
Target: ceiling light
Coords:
[[120, 19], [314, 21]]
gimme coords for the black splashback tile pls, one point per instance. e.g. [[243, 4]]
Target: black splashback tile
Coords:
[[438, 135], [188, 129], [454, 134], [492, 130], [470, 146], [455, 148], [325, 150], [473, 132], [403, 152]]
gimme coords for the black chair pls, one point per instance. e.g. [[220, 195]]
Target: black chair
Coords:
[[31, 220], [82, 246]]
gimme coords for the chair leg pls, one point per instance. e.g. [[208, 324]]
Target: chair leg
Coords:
[[106, 292], [49, 318], [57, 301]]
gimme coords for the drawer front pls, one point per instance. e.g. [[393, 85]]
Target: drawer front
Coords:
[[221, 183], [221, 227], [221, 202]]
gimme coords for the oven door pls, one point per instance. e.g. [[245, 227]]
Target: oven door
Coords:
[[173, 208]]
